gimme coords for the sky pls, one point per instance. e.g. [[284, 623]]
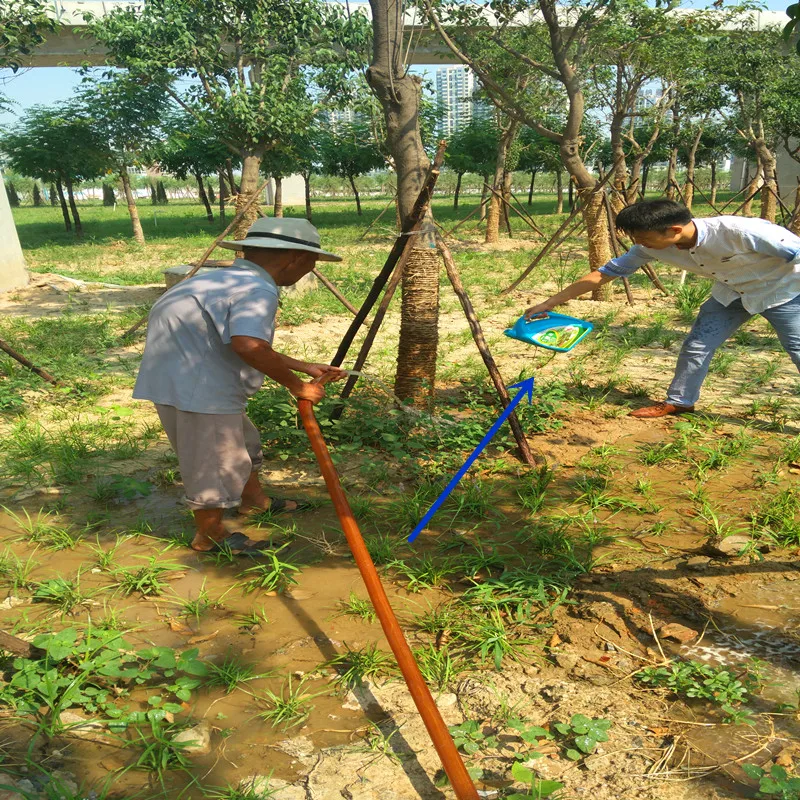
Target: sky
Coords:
[[45, 85]]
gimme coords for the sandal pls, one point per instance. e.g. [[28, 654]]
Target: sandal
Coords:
[[237, 544]]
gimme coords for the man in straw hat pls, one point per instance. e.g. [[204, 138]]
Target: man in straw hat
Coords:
[[209, 346]]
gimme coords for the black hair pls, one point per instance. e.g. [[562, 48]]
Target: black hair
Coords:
[[652, 215]]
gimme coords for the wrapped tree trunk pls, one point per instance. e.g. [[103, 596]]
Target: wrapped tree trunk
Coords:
[[277, 209], [64, 207], [251, 165], [559, 191], [136, 223], [307, 187], [769, 191], [201, 190], [752, 188], [495, 202], [713, 197], [398, 92]]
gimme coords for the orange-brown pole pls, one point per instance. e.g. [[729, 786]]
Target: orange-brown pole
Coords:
[[451, 760]]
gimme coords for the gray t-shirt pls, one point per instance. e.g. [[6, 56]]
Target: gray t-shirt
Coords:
[[188, 362]]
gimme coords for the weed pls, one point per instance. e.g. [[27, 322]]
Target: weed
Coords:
[[689, 297], [15, 572], [357, 607], [790, 451], [534, 488], [362, 506], [777, 517], [540, 788], [160, 752], [231, 673], [761, 376], [105, 559], [436, 665], [119, 489], [379, 741], [354, 666], [381, 548], [490, 637], [722, 362], [424, 573], [582, 734], [246, 622], [717, 685], [198, 606], [289, 708], [62, 593], [472, 499], [148, 580], [255, 791], [274, 576], [776, 783], [45, 531]]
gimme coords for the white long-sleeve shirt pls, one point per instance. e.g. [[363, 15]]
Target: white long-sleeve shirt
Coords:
[[750, 259]]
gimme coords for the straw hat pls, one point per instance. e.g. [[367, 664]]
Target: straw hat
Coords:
[[287, 233]]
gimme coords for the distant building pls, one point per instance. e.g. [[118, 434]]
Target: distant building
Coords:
[[340, 116], [455, 87]]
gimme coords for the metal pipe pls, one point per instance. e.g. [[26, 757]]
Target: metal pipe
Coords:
[[440, 736]]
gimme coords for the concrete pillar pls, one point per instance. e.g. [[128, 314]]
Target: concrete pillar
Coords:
[[12, 263]]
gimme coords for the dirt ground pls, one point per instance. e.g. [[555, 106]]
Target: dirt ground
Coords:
[[648, 598]]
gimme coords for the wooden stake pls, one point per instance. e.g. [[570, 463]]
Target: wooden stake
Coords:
[[402, 242], [5, 347], [211, 248], [331, 287], [483, 348], [391, 203]]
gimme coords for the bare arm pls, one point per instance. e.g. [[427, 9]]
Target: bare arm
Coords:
[[588, 283], [258, 353]]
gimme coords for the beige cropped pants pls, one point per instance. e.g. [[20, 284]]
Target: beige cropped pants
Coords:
[[216, 454]]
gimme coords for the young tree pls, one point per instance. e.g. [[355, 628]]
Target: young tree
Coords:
[[746, 62], [127, 114], [57, 144], [191, 149], [399, 93], [11, 193], [472, 149], [278, 164], [37, 195], [349, 151], [249, 65]]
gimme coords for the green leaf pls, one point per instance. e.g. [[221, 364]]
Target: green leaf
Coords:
[[574, 755], [522, 774], [752, 771], [586, 744]]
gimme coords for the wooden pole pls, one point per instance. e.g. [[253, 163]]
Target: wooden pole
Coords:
[[410, 226], [369, 227], [209, 250], [483, 348], [471, 213], [508, 205], [5, 347], [460, 780], [331, 287]]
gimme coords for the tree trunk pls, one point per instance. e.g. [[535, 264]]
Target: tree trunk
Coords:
[[231, 180], [223, 195], [138, 233], [571, 194], [691, 163], [713, 197], [307, 186], [495, 201], [672, 165], [251, 165], [74, 208], [645, 173], [559, 191], [530, 189], [752, 188], [398, 92], [458, 191], [64, 207], [201, 190], [484, 193], [355, 193], [636, 182], [769, 192], [277, 210], [108, 195], [795, 225]]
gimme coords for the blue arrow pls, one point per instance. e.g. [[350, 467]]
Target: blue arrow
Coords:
[[525, 388]]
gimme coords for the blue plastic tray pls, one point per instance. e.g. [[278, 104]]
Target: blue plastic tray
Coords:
[[552, 331]]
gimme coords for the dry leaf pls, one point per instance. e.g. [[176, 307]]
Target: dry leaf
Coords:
[[208, 637]]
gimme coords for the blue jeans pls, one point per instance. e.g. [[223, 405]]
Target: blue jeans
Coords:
[[714, 324]]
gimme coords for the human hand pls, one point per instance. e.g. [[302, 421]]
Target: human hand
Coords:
[[330, 372], [313, 392], [541, 308]]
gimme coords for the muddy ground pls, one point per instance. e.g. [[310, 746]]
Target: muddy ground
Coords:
[[655, 590]]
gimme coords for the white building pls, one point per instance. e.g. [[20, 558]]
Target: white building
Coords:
[[454, 89]]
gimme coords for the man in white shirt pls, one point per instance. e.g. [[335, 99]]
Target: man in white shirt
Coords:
[[209, 346], [756, 266]]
